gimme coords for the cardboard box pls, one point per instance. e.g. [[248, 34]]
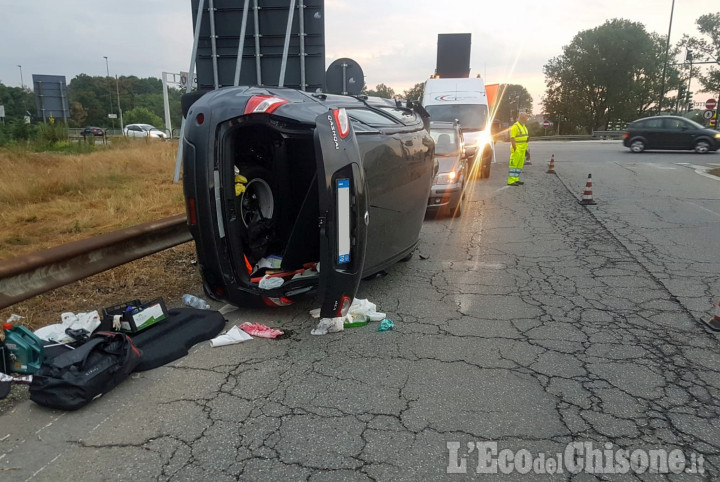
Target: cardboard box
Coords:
[[137, 316]]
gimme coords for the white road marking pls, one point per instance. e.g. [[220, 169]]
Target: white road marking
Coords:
[[667, 168]]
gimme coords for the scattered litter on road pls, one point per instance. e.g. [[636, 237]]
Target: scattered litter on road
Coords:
[[233, 335], [329, 325], [195, 302], [261, 331], [361, 311], [386, 325], [423, 256]]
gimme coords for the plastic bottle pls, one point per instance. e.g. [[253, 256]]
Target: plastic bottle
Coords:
[[195, 302]]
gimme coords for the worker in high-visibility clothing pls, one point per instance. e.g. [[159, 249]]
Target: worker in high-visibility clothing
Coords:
[[519, 144]]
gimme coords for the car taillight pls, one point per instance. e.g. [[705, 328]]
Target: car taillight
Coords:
[[626, 135], [265, 104], [192, 214], [342, 122]]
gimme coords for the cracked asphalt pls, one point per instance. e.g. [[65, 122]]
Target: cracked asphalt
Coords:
[[534, 322]]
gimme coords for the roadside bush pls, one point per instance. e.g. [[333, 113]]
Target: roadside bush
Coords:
[[49, 134], [21, 131]]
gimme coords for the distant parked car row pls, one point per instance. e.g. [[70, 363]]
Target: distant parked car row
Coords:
[[130, 130]]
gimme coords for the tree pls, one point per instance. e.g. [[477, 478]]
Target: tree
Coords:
[[612, 72], [381, 90], [415, 92], [706, 49], [142, 115], [17, 102], [511, 99]]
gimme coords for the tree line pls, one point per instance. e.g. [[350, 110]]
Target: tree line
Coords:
[[618, 72], [92, 98]]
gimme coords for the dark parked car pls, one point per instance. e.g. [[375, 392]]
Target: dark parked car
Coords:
[[278, 179], [93, 131], [670, 132], [449, 185]]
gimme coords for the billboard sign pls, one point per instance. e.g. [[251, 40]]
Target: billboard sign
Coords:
[[261, 31], [51, 99]]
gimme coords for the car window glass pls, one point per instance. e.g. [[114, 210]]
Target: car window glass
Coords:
[[675, 124], [446, 141], [653, 124], [399, 114], [370, 118], [360, 128]]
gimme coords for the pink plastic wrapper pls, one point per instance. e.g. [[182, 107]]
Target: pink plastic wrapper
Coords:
[[261, 331]]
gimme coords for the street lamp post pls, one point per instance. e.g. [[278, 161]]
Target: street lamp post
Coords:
[[107, 67], [667, 48], [22, 84]]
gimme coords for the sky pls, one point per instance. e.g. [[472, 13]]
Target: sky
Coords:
[[394, 41]]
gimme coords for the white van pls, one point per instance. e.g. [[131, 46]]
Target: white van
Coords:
[[464, 99]]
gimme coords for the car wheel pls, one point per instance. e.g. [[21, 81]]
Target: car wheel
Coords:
[[702, 147], [258, 200], [457, 210], [637, 146]]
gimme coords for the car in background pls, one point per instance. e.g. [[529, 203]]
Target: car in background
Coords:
[[322, 189], [448, 189], [93, 131], [143, 130], [670, 132]]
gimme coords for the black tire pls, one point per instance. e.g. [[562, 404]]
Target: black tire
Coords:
[[258, 200], [485, 160], [702, 146], [456, 212], [637, 146]]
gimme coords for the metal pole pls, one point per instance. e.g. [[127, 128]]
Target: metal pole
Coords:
[[191, 76], [117, 89], [258, 74], [166, 101], [301, 19], [667, 48], [241, 44], [22, 84], [286, 48], [213, 44], [107, 66]]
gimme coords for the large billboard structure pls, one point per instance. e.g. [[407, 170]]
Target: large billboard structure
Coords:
[[51, 101], [260, 42], [453, 55]]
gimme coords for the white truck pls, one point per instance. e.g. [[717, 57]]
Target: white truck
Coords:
[[464, 100]]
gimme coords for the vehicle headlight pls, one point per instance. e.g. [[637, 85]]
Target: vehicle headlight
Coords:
[[717, 136], [446, 178]]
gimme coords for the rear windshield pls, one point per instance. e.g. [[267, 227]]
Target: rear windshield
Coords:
[[471, 116], [446, 141]]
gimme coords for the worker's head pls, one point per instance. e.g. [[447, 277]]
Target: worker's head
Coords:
[[523, 117]]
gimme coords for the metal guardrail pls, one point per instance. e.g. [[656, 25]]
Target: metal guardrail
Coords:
[[608, 134], [30, 275]]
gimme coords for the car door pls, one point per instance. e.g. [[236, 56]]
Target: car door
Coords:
[[677, 134], [343, 211]]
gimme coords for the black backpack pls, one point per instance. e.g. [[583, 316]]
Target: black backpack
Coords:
[[71, 380]]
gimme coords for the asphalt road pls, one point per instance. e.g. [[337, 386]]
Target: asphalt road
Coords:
[[531, 322]]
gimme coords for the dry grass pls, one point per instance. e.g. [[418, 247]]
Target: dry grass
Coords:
[[715, 172], [48, 199]]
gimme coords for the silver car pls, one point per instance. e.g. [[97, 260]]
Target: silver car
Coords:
[[143, 130]]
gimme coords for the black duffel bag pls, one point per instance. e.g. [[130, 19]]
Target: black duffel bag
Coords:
[[71, 380]]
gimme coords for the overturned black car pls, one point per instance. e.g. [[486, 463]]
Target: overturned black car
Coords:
[[319, 190]]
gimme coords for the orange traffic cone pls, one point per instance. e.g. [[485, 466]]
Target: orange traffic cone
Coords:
[[587, 194], [714, 322], [551, 167]]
